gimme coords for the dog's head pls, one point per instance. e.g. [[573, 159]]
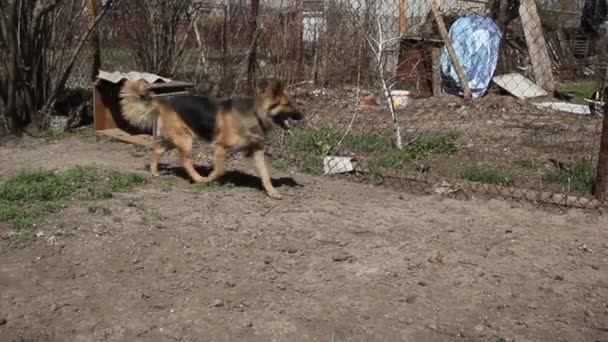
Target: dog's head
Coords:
[[276, 105], [138, 88]]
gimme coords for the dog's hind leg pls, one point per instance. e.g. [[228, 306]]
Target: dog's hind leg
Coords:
[[260, 164], [184, 145], [219, 156]]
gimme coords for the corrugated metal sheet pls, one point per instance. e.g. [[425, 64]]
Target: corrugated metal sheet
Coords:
[[117, 77]]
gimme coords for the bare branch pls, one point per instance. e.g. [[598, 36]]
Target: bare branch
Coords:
[[193, 22], [83, 40]]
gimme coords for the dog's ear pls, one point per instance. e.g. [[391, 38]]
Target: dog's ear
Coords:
[[262, 86], [270, 88], [142, 87], [275, 88]]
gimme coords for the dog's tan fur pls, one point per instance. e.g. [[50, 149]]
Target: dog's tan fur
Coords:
[[239, 125]]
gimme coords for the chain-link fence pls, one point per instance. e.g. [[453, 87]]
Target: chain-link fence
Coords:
[[455, 97]]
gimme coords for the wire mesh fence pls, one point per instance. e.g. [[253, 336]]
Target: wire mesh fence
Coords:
[[456, 97]]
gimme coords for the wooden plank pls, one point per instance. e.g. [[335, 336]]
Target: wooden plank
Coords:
[[443, 31], [519, 86], [102, 116], [436, 71], [170, 94], [403, 24], [170, 85], [537, 47], [117, 133]]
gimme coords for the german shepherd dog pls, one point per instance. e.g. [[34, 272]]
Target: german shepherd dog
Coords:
[[236, 124]]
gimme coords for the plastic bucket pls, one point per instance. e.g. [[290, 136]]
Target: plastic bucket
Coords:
[[401, 98]]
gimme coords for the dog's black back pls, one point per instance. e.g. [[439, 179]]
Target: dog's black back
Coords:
[[198, 112]]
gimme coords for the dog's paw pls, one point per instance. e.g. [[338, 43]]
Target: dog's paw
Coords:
[[199, 180], [274, 195]]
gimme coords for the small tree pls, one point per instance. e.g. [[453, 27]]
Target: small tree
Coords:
[[383, 37], [155, 29], [41, 42]]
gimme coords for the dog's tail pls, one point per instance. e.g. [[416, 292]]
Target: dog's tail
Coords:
[[135, 104]]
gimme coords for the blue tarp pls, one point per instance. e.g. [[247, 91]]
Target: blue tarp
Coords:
[[476, 40]]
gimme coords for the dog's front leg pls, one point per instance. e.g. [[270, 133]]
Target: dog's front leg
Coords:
[[219, 157], [260, 164]]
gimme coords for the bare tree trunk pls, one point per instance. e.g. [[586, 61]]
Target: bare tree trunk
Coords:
[[379, 46], [299, 41], [12, 70], [252, 59], [95, 45]]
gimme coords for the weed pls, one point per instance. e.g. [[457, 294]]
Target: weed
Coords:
[[365, 142], [280, 164], [311, 164], [31, 195], [154, 216], [99, 210], [43, 186], [373, 176], [487, 175], [200, 187], [168, 183], [423, 168], [398, 159], [580, 90], [315, 144], [318, 141], [49, 134], [123, 181], [579, 178], [528, 163], [392, 159], [432, 145]]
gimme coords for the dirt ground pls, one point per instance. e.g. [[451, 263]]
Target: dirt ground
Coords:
[[332, 261], [497, 132]]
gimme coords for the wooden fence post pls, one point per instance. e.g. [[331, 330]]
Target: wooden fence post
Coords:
[[600, 188]]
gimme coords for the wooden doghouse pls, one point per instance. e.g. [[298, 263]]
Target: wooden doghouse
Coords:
[[107, 115], [418, 66]]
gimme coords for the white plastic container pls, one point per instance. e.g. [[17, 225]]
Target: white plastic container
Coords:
[[333, 165], [58, 124], [401, 98]]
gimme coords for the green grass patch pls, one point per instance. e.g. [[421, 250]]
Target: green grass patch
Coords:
[[432, 145], [420, 149], [30, 195], [365, 142], [280, 164], [315, 141], [580, 90], [529, 163], [579, 178], [487, 175], [311, 164], [314, 144], [392, 159], [321, 141]]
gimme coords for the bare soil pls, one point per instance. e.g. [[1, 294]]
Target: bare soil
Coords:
[[332, 261]]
